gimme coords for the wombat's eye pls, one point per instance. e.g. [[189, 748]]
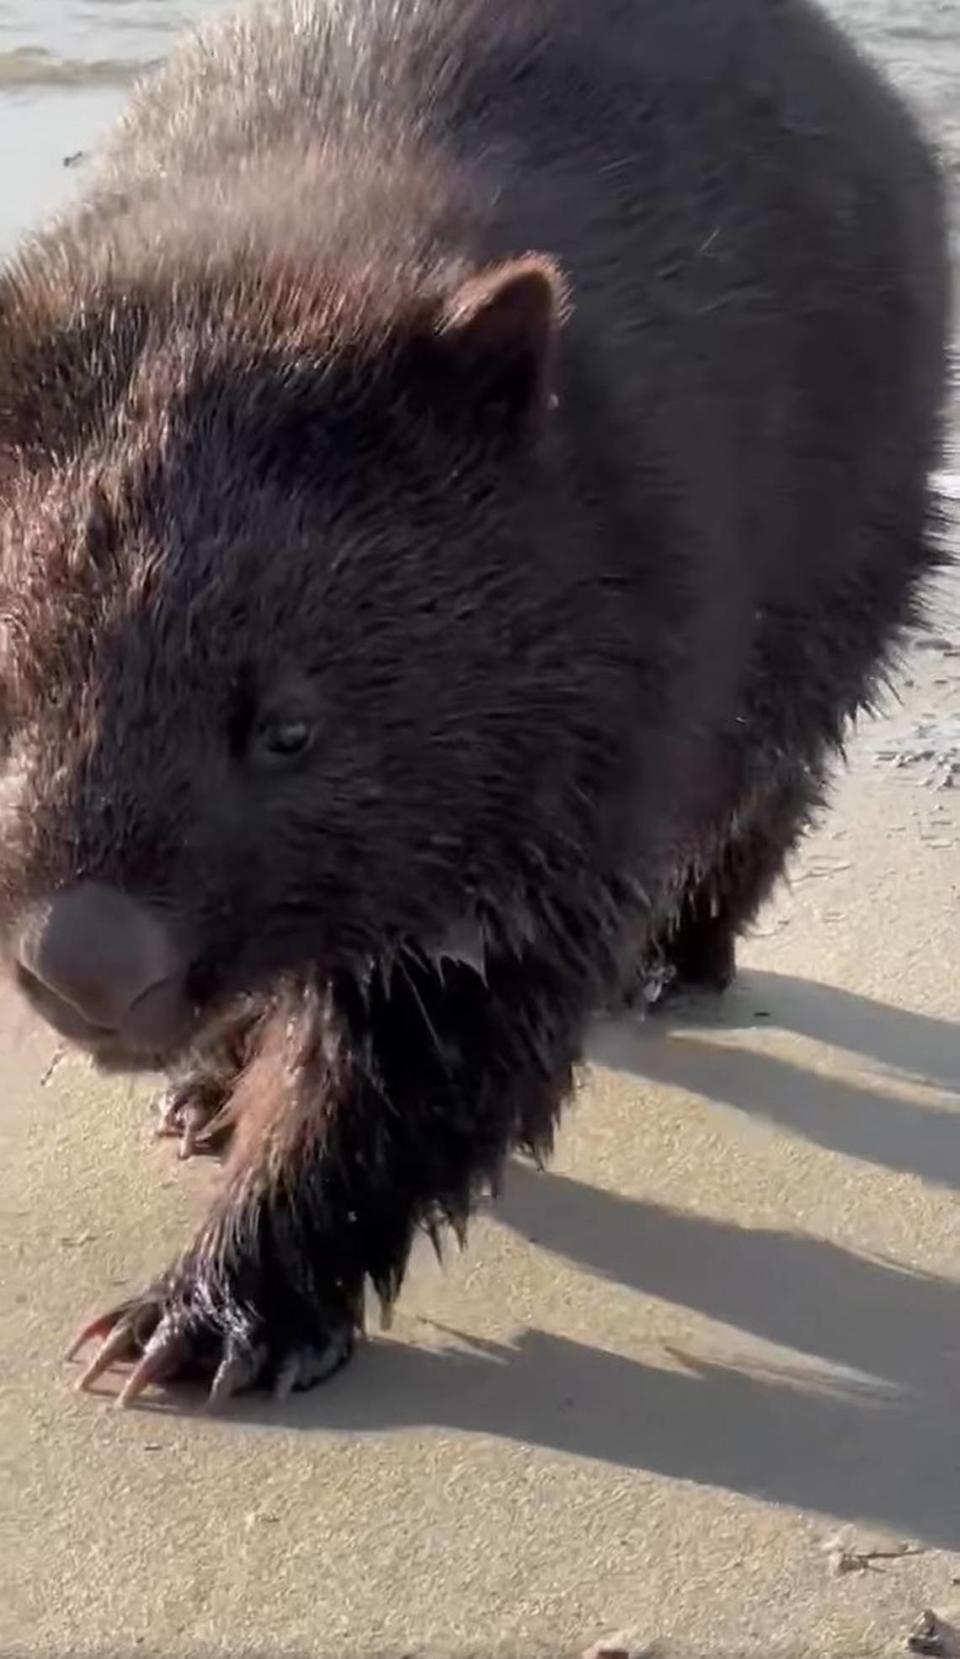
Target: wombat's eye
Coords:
[[283, 739]]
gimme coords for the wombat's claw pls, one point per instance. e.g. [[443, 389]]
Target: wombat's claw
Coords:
[[156, 1356], [185, 1115], [118, 1343], [163, 1345], [655, 985], [648, 985], [164, 1355], [179, 1122]]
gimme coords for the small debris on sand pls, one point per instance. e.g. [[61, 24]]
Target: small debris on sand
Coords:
[[848, 1554], [612, 1647], [935, 1636]]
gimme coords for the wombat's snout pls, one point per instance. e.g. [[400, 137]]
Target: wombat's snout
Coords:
[[103, 969]]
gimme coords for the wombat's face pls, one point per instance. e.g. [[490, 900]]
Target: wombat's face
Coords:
[[256, 669]]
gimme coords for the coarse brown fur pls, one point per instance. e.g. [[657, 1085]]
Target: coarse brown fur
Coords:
[[569, 569]]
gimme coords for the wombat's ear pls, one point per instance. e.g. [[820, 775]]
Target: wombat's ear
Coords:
[[497, 333]]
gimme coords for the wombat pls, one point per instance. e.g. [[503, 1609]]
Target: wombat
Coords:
[[463, 464]]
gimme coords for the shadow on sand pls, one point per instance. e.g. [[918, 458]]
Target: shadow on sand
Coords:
[[873, 1122], [881, 1444]]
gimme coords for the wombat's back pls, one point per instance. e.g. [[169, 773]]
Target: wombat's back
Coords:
[[753, 231], [709, 176], [751, 381]]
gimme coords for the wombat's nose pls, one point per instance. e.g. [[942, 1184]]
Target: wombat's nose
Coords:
[[111, 960]]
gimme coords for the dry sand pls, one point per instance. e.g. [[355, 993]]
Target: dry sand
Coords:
[[670, 1383]]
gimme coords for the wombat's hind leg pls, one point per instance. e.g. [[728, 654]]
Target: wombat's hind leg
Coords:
[[702, 953], [699, 951]]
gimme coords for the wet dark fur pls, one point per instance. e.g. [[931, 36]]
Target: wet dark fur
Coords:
[[583, 619]]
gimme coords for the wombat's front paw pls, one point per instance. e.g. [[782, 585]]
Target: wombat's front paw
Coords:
[[645, 985], [191, 1111], [190, 1326], [195, 1107]]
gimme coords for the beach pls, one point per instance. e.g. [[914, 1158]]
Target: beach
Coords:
[[696, 1383]]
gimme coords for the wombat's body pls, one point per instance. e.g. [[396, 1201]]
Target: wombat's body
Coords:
[[392, 663]]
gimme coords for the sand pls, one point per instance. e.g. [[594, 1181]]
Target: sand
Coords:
[[679, 1386]]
